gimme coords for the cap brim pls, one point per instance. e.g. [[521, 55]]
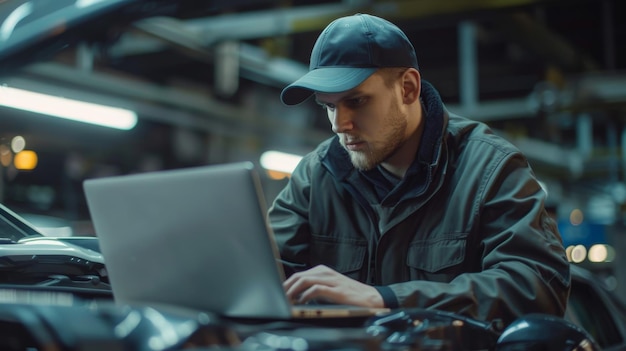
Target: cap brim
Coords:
[[324, 80]]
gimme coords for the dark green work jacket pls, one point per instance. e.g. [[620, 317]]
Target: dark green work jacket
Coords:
[[466, 233]]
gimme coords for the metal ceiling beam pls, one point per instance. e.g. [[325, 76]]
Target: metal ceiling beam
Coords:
[[283, 21], [196, 36], [298, 19], [486, 111], [548, 155]]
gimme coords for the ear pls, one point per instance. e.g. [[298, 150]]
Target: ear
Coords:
[[411, 86]]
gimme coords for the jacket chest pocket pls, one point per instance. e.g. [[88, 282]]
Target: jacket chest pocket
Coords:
[[346, 256], [438, 259]]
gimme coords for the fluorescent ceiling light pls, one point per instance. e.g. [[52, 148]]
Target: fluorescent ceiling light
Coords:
[[279, 161], [80, 111]]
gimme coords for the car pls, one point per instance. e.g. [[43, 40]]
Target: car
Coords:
[[29, 260], [46, 282]]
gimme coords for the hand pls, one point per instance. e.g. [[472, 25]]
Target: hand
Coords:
[[323, 283]]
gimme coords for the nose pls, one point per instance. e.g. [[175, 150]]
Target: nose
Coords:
[[340, 120]]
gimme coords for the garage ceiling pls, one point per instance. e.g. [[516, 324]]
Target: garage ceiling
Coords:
[[547, 74]]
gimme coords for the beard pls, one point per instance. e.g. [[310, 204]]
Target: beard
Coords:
[[378, 152]]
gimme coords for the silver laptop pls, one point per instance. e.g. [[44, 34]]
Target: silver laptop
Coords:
[[196, 238]]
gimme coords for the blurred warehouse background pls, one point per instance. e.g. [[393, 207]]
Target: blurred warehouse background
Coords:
[[203, 78]]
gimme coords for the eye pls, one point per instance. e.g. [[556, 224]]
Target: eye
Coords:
[[356, 101]]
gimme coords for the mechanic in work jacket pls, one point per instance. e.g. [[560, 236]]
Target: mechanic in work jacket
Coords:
[[461, 233]]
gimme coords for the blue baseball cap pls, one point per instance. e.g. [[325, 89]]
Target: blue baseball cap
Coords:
[[347, 52]]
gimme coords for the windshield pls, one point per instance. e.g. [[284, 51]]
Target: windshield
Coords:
[[13, 227]]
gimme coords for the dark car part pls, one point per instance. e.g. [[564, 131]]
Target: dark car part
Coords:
[[35, 30], [44, 263], [30, 260], [73, 326], [596, 309], [307, 338], [38, 29], [424, 329], [538, 332]]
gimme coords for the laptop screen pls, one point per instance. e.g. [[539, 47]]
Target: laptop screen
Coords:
[[195, 237]]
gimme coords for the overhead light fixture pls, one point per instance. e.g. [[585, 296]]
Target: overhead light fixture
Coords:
[[86, 112], [279, 163]]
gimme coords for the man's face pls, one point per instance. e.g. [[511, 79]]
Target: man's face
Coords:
[[370, 120]]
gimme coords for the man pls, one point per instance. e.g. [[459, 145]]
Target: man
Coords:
[[409, 205]]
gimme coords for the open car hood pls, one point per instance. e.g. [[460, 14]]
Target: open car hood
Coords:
[[32, 30]]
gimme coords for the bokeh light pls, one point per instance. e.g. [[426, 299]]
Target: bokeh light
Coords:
[[6, 156], [25, 160], [18, 143], [576, 217], [597, 253], [578, 254]]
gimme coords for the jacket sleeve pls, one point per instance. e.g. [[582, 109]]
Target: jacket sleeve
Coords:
[[523, 267], [288, 217]]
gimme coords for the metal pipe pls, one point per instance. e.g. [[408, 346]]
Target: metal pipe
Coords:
[[468, 68], [584, 134]]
